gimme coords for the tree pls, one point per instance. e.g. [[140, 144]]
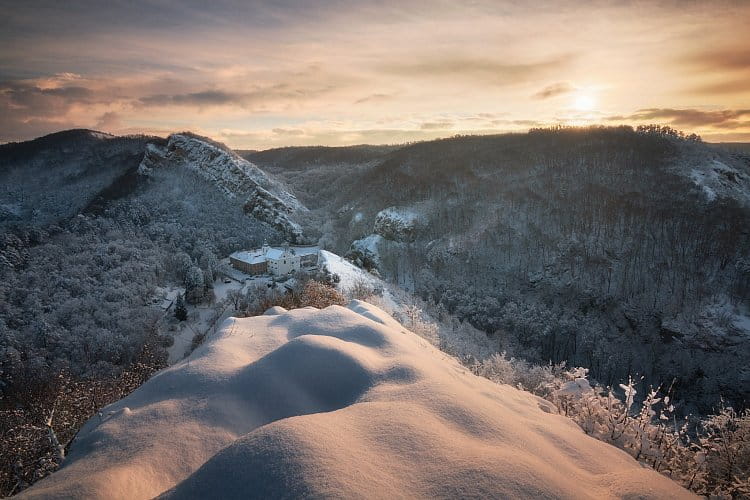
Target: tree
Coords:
[[195, 287], [180, 311]]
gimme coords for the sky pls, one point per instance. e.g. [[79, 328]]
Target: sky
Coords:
[[260, 74]]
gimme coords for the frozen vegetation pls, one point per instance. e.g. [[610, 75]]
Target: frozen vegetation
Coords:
[[521, 256], [263, 197], [624, 251]]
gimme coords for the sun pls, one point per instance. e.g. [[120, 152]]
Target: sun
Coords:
[[584, 102]]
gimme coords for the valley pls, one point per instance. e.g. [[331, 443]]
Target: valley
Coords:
[[531, 259]]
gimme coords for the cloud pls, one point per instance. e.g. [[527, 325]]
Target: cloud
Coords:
[[474, 68], [727, 118], [733, 59], [288, 131], [437, 125], [28, 109], [260, 97], [202, 98], [27, 95], [554, 90], [373, 98], [109, 121], [739, 85]]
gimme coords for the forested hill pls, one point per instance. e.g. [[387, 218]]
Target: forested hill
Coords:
[[624, 251], [56, 176]]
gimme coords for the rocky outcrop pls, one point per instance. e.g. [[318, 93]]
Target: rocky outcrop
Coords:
[[365, 252], [262, 196], [397, 224], [268, 208]]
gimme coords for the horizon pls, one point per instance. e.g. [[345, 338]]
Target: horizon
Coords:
[[258, 76], [371, 144]]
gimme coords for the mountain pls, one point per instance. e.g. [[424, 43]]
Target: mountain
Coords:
[[77, 171], [95, 225], [59, 175], [620, 250], [338, 402], [262, 196]]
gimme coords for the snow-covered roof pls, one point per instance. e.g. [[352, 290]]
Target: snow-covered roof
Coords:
[[302, 251], [274, 253], [257, 256], [251, 257]]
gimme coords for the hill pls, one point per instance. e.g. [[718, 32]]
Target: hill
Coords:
[[339, 402], [59, 175], [742, 147], [620, 250]]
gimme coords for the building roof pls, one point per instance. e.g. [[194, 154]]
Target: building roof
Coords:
[[302, 251], [251, 257], [273, 253]]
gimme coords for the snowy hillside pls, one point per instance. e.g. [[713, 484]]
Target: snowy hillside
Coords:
[[339, 402], [610, 248], [262, 196], [59, 175]]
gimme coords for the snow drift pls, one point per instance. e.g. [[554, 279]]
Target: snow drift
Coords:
[[340, 402]]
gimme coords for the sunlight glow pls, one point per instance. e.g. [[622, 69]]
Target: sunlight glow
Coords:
[[584, 102]]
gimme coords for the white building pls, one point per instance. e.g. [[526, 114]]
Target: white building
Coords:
[[281, 261], [278, 261]]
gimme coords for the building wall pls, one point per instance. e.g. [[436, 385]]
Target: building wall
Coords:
[[246, 267], [309, 260], [285, 265]]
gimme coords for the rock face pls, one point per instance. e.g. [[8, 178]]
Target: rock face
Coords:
[[728, 177], [262, 196], [341, 402], [270, 209], [365, 252], [397, 224]]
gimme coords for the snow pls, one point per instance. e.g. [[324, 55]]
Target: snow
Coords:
[[261, 195], [228, 170], [369, 246], [100, 135], [250, 256], [275, 253], [397, 223], [348, 272], [725, 178], [701, 179], [11, 208], [340, 402], [742, 323], [305, 250], [404, 215]]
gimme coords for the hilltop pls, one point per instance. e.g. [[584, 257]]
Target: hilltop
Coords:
[[339, 402]]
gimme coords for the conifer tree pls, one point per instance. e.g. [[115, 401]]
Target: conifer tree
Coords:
[[180, 311]]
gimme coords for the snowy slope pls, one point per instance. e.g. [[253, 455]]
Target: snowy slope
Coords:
[[348, 273], [340, 402], [59, 175], [717, 173], [262, 196]]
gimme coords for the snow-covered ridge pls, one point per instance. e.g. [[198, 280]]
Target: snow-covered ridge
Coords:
[[262, 196], [718, 174], [340, 402]]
